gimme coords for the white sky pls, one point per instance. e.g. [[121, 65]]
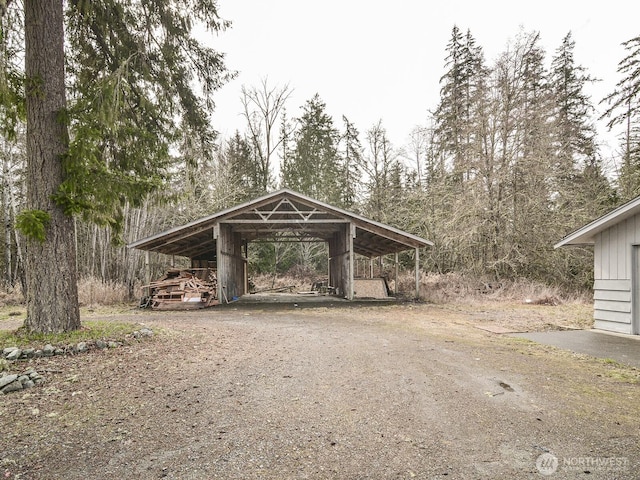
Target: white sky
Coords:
[[373, 59]]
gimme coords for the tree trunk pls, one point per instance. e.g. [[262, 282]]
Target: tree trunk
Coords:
[[52, 292], [8, 224]]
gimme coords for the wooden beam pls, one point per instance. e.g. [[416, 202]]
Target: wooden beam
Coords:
[[286, 221], [352, 234], [396, 273], [417, 273]]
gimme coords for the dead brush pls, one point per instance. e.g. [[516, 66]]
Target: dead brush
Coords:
[[266, 281], [459, 288], [93, 291], [11, 297]]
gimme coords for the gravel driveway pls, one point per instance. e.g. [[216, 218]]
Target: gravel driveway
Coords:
[[356, 392]]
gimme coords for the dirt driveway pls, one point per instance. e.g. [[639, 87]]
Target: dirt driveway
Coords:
[[354, 392]]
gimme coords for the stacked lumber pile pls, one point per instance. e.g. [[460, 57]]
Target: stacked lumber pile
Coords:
[[184, 289]]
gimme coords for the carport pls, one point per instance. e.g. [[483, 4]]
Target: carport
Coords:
[[221, 239]]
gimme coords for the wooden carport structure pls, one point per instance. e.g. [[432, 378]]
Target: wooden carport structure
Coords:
[[283, 215]]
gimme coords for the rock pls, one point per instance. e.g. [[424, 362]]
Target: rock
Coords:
[[101, 344], [38, 353], [82, 347], [28, 353], [13, 383], [14, 354], [48, 350], [113, 344], [7, 379], [28, 384], [58, 351], [8, 350], [12, 387], [146, 332]]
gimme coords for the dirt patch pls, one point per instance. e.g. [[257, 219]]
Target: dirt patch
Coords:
[[400, 391]]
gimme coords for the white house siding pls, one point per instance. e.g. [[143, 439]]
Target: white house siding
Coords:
[[612, 274]]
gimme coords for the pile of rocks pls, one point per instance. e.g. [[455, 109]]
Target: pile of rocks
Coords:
[[29, 378], [15, 353], [16, 382]]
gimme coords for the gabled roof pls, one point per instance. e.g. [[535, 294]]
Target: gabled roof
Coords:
[[284, 213], [586, 235]]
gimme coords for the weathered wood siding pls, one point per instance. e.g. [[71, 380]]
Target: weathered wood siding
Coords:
[[339, 260], [613, 271], [231, 263]]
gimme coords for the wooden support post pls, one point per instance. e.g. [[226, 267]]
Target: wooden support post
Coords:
[[352, 234], [147, 274], [246, 266], [396, 273], [329, 270], [417, 273]]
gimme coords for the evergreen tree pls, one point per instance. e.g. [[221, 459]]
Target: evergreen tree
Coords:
[[131, 68], [286, 134], [580, 189], [624, 110], [350, 167], [238, 160], [455, 117], [313, 166]]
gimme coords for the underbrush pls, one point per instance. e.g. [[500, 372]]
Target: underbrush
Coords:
[[94, 292], [268, 282], [11, 297], [434, 288], [446, 288], [457, 288]]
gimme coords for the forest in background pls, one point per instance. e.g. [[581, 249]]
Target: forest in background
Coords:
[[507, 164]]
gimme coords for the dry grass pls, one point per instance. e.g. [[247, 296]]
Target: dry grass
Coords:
[[264, 282], [457, 288], [94, 292], [11, 297], [449, 288]]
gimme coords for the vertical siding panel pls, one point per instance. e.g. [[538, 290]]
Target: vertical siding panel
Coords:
[[597, 258], [614, 249], [606, 250], [619, 248], [624, 249], [631, 240]]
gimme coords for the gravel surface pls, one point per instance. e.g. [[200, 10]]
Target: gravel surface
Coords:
[[379, 392]]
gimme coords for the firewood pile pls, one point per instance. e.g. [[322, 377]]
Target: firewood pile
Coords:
[[183, 289]]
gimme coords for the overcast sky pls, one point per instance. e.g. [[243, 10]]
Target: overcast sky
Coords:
[[372, 59]]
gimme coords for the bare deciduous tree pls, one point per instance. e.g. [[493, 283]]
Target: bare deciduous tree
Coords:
[[261, 108]]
